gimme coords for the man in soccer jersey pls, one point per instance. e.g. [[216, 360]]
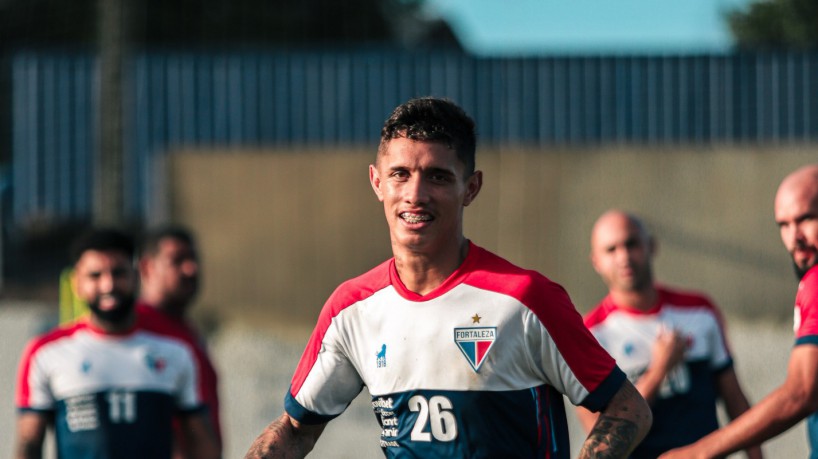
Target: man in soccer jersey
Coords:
[[670, 343], [107, 387], [464, 354], [796, 213], [169, 276]]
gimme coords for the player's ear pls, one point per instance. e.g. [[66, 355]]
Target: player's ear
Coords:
[[593, 261], [142, 266], [473, 186], [375, 181]]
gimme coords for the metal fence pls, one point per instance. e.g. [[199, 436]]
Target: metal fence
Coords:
[[341, 98]]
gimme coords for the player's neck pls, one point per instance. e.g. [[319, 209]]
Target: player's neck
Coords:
[[642, 299], [423, 271]]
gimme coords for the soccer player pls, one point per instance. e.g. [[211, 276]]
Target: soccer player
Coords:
[[670, 343], [463, 353], [169, 274], [796, 213], [108, 388]]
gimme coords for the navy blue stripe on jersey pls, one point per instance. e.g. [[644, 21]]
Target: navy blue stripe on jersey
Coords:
[[598, 399], [115, 424], [304, 416], [721, 368], [473, 424], [809, 339]]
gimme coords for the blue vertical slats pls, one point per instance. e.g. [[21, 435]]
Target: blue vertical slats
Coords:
[[64, 132], [234, 102], [341, 98], [48, 135], [266, 100], [282, 98], [84, 146]]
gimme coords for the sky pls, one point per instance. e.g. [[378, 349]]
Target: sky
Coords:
[[537, 27]]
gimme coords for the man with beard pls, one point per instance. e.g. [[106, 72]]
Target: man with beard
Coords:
[[169, 275], [670, 343], [107, 387], [796, 213]]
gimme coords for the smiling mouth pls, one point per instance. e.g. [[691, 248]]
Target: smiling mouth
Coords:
[[415, 218], [107, 302], [803, 255]]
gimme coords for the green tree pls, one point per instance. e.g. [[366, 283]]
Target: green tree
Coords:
[[776, 24], [208, 23]]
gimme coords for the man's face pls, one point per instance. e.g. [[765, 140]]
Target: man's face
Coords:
[[173, 271], [796, 213], [621, 254], [423, 190], [105, 280]]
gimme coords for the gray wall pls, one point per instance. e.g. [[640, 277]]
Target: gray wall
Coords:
[[280, 229]]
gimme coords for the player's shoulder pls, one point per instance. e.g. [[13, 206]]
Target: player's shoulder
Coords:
[[495, 272], [685, 299], [532, 288], [151, 319], [361, 287], [156, 336], [807, 296], [55, 335], [810, 280], [599, 313]]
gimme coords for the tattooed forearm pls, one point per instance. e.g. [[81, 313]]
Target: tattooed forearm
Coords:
[[610, 438], [284, 439]]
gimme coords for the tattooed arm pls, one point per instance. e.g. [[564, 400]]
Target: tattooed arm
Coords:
[[285, 438], [620, 426]]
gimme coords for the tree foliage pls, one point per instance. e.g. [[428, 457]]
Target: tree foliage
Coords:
[[775, 24], [218, 22]]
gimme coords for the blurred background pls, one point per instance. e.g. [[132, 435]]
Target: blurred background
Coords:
[[253, 122]]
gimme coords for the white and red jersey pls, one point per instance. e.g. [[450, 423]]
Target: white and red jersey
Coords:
[[806, 309], [151, 319], [475, 368], [806, 333], [111, 395], [685, 406]]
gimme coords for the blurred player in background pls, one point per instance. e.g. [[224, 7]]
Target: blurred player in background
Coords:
[[796, 213], [670, 343], [464, 354], [170, 275], [108, 387]]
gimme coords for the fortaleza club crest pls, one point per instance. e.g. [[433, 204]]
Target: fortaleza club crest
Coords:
[[475, 343]]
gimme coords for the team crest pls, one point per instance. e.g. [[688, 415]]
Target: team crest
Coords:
[[475, 343], [157, 364]]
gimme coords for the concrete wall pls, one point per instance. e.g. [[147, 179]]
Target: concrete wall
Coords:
[[280, 229]]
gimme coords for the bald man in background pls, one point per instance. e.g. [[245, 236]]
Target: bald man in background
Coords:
[[796, 214], [670, 343]]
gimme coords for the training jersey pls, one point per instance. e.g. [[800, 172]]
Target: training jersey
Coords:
[[154, 320], [684, 409], [110, 395], [476, 368], [806, 332]]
